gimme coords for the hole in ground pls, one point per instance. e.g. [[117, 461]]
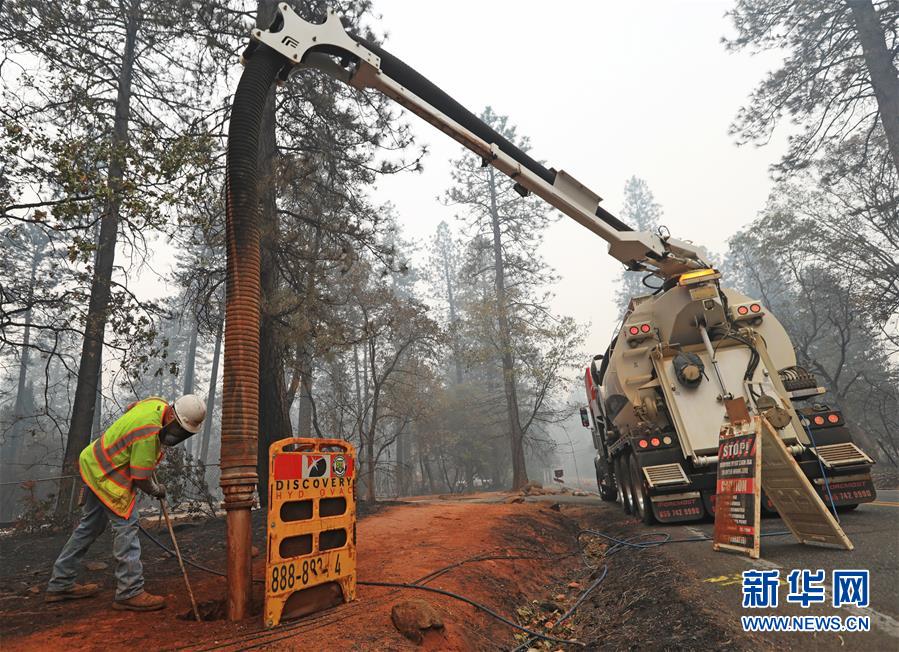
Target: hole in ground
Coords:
[[209, 610]]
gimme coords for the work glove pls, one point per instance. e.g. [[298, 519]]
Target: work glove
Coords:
[[157, 490]]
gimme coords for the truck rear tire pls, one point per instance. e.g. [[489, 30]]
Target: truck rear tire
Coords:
[[642, 504], [622, 475], [606, 492]]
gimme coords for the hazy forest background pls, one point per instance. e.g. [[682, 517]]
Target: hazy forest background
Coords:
[[439, 359]]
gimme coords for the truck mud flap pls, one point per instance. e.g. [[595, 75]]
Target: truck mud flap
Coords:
[[847, 490], [679, 507]]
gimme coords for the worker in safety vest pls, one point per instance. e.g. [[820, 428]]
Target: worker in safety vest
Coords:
[[112, 467]]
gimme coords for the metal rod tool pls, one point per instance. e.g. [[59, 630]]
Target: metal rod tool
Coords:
[[168, 522]]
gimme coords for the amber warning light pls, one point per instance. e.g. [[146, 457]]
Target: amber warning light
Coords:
[[698, 276]]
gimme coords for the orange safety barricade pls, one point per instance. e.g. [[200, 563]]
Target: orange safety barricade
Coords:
[[311, 551]]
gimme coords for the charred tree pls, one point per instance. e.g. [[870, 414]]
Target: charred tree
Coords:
[[190, 361], [274, 417], [210, 398], [884, 78], [101, 284], [516, 434]]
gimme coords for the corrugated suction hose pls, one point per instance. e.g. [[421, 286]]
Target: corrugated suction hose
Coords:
[[240, 395]]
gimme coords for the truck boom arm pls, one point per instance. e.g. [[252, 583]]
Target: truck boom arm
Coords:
[[330, 48]]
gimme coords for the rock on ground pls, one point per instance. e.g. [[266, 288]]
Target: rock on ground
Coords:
[[413, 618]]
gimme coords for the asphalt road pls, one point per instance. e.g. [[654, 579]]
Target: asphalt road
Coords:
[[874, 531]]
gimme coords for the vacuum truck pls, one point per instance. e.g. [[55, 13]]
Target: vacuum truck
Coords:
[[658, 398], [686, 353]]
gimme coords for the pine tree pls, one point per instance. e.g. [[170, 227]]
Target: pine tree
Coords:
[[118, 142], [444, 277], [838, 77], [507, 315], [642, 213]]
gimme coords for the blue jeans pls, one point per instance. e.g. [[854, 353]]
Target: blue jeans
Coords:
[[129, 571]]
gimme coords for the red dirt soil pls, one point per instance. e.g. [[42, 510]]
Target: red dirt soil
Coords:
[[399, 544]]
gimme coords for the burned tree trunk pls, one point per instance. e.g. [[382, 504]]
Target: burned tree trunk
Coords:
[[516, 434], [210, 398], [101, 284], [305, 349], [190, 364], [884, 77], [274, 418]]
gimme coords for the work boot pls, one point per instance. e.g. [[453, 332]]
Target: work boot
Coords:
[[77, 591], [141, 602]]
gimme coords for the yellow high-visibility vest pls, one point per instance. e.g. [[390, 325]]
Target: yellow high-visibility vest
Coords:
[[129, 450]]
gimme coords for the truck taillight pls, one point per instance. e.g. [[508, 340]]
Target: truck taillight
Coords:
[[748, 311], [638, 332], [827, 419], [585, 419], [655, 441], [643, 443]]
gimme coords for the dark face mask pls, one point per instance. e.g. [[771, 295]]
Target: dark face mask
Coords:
[[173, 434]]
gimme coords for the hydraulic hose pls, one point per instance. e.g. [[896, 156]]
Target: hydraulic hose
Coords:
[[240, 400], [427, 90], [240, 394]]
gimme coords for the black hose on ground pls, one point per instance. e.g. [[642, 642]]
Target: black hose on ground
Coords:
[[618, 545], [486, 557], [577, 603], [450, 594], [486, 610], [172, 553]]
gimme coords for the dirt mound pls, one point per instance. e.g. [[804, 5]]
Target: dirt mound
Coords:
[[404, 543]]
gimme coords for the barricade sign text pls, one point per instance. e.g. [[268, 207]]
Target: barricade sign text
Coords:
[[311, 548]]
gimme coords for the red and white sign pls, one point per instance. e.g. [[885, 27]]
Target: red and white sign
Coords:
[[300, 466], [737, 500]]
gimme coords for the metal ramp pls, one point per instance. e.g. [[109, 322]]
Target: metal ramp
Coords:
[[845, 454], [665, 475], [799, 505]]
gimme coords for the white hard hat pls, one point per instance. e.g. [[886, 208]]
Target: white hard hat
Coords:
[[189, 412]]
